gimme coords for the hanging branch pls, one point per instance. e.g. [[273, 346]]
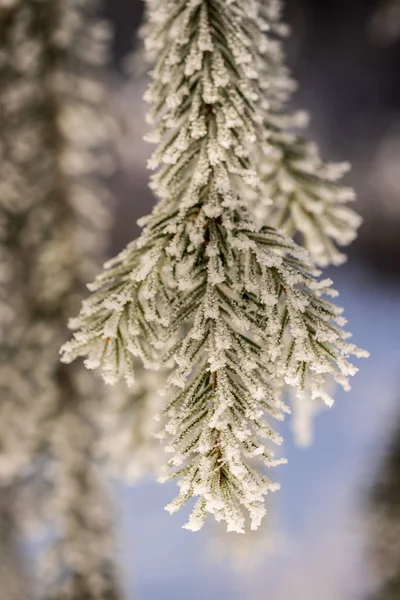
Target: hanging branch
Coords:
[[237, 306]]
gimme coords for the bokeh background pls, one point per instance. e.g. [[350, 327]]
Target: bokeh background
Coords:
[[321, 540], [316, 545]]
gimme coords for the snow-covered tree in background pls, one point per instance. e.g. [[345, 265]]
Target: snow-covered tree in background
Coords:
[[52, 224], [236, 305]]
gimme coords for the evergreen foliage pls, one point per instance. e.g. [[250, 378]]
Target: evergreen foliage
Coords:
[[233, 303]]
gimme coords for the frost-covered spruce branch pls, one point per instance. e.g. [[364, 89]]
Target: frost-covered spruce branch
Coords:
[[302, 192], [236, 306], [304, 195], [52, 221]]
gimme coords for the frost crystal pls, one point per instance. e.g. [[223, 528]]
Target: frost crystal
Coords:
[[234, 307]]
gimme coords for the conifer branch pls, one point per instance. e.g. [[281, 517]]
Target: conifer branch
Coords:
[[237, 306]]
